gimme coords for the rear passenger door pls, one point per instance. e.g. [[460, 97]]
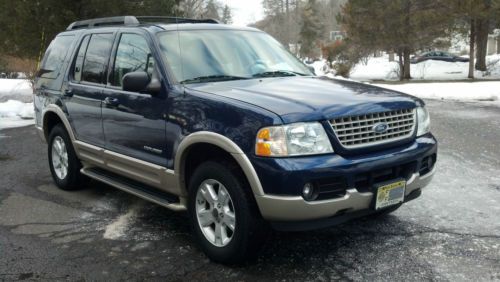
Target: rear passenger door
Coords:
[[134, 123], [85, 90]]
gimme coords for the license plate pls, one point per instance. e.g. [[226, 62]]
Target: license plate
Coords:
[[389, 194]]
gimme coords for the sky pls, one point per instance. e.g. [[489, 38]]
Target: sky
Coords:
[[245, 11]]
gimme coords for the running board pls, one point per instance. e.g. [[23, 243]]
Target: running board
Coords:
[[143, 191]]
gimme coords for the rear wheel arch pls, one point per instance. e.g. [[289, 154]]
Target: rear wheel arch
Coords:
[[52, 116]]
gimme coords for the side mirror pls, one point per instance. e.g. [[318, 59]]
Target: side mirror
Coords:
[[135, 81]]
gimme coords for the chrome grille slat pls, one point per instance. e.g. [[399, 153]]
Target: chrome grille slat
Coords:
[[374, 120], [391, 125], [358, 131]]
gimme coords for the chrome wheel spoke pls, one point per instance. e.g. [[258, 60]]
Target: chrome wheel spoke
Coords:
[[229, 220], [215, 213], [208, 193], [219, 234], [222, 196], [205, 218]]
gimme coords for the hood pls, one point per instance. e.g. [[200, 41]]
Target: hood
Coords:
[[297, 99]]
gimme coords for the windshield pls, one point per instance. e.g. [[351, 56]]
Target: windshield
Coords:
[[217, 55]]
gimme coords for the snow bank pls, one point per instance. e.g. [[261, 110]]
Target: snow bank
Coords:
[[16, 103], [16, 113], [15, 89], [381, 69], [463, 91]]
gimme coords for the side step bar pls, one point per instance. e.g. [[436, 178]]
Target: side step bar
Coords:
[[135, 188]]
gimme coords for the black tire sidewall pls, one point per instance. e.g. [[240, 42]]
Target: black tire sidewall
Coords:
[[239, 248]]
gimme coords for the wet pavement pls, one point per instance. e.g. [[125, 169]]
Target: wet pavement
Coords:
[[451, 233]]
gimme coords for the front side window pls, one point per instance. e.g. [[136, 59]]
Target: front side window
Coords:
[[133, 54], [204, 55], [55, 55], [97, 57]]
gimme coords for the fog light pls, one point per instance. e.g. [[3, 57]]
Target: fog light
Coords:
[[308, 192]]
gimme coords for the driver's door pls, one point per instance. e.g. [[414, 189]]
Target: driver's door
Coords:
[[133, 123]]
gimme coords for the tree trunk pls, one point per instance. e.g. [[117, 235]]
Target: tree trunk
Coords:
[[498, 45], [472, 44], [401, 65], [406, 54], [482, 29], [391, 56]]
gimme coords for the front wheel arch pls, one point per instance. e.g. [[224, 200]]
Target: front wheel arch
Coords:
[[222, 144]]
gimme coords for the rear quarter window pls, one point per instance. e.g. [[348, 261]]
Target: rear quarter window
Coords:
[[54, 56], [97, 57]]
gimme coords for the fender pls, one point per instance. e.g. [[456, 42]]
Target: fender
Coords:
[[224, 143], [52, 108]]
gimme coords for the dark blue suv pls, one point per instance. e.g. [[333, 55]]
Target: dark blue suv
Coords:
[[225, 123]]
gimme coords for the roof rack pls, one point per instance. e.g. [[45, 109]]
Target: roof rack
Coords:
[[134, 21]]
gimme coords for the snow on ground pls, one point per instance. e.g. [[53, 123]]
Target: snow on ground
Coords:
[[463, 91], [443, 79], [16, 113], [15, 89], [16, 103], [379, 68]]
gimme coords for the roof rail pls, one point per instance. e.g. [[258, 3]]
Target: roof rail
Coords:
[[173, 20], [134, 21]]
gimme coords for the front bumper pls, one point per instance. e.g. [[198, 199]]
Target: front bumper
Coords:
[[282, 208], [282, 200]]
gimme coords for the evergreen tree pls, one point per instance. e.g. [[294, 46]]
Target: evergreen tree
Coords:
[[30, 25], [212, 10], [227, 16], [403, 26], [311, 30]]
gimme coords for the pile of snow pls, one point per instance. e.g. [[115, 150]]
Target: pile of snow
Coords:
[[16, 113], [16, 103], [16, 89], [463, 91], [321, 67], [380, 68]]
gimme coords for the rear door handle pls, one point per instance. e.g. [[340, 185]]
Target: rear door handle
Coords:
[[111, 102]]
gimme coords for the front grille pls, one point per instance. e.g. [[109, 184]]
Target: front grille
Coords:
[[359, 131]]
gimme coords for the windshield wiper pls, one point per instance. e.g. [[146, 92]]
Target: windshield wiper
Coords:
[[279, 73], [210, 78]]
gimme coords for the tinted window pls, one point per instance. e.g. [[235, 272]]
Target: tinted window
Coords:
[[96, 58], [54, 57], [133, 54], [77, 71]]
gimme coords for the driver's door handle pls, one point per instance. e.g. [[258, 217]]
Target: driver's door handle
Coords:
[[111, 102]]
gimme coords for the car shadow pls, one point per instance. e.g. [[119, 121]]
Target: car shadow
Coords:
[[341, 246]]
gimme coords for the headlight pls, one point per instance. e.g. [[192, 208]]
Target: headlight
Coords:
[[423, 121], [293, 140]]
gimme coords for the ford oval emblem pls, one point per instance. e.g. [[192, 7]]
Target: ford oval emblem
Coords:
[[380, 128]]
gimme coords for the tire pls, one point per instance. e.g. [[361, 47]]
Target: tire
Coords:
[[61, 151], [249, 229]]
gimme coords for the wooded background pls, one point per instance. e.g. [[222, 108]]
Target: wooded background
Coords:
[[403, 27]]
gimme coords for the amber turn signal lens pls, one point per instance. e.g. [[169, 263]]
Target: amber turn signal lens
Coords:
[[264, 134], [263, 149]]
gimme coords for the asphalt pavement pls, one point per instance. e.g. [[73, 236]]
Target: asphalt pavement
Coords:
[[451, 233]]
